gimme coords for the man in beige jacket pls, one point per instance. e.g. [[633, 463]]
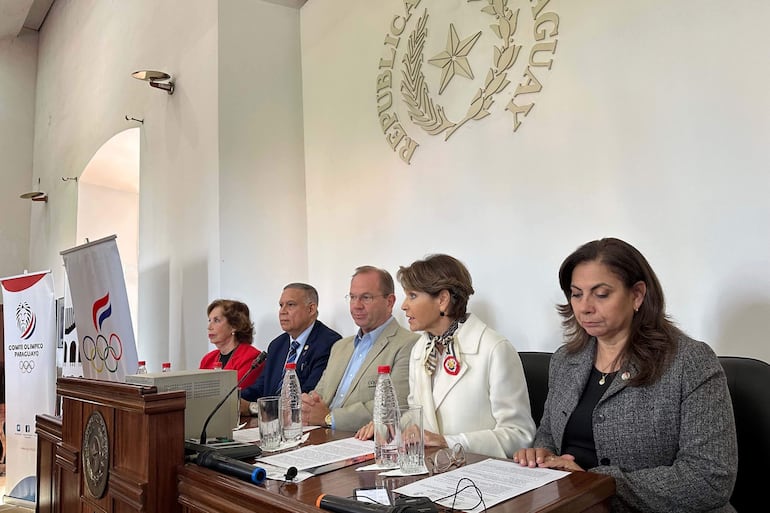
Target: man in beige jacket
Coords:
[[344, 397]]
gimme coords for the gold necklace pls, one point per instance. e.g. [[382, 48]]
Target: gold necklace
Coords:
[[603, 379]]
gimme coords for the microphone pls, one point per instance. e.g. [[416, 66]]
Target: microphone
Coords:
[[231, 467], [261, 357], [291, 473], [403, 505]]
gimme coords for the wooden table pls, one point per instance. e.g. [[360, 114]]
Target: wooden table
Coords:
[[202, 490]]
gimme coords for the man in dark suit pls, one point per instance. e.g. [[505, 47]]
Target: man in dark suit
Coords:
[[306, 341]]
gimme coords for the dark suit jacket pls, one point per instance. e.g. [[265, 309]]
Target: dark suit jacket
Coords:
[[310, 363]]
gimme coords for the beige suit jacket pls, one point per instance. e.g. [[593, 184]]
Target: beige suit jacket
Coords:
[[392, 347]]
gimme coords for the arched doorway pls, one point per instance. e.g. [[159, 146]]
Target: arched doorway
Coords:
[[108, 203]]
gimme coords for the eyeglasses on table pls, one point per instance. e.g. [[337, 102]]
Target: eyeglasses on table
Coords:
[[446, 458]]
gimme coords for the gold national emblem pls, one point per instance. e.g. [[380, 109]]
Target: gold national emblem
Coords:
[[423, 110], [96, 455]]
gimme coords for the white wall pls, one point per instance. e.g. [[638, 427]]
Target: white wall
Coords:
[[652, 126], [88, 49], [263, 235], [108, 204], [103, 211], [18, 67], [213, 223]]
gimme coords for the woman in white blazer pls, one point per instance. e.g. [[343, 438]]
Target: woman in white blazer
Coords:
[[467, 377]]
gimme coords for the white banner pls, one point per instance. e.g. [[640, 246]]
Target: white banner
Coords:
[[102, 315], [30, 374]]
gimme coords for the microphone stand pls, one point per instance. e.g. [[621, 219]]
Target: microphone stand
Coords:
[[257, 361]]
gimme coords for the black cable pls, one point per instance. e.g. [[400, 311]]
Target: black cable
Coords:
[[459, 490], [368, 500]]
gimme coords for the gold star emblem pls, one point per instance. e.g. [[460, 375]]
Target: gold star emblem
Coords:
[[454, 60]]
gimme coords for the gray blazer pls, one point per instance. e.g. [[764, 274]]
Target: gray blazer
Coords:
[[392, 347], [670, 446]]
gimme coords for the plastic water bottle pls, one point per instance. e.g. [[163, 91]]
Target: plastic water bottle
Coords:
[[142, 369], [291, 404], [165, 367], [385, 420]]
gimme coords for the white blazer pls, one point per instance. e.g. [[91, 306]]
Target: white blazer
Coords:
[[486, 402]]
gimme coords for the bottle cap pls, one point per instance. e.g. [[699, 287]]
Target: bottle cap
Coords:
[[142, 363], [383, 369], [292, 365]]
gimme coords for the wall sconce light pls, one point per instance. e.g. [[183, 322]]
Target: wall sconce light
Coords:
[[157, 79], [37, 195]]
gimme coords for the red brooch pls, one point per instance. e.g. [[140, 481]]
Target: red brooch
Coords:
[[451, 365]]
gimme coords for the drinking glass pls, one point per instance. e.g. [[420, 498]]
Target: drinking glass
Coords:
[[268, 413], [411, 440]]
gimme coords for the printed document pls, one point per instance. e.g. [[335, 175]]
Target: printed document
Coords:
[[313, 456], [493, 480]]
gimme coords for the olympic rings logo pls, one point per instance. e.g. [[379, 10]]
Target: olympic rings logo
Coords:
[[103, 353], [26, 366]]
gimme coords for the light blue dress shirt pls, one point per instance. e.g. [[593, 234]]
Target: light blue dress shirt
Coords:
[[362, 344]]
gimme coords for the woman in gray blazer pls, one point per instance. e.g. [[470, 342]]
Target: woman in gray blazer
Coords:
[[630, 395]]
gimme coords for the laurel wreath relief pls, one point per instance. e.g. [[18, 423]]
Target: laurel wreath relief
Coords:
[[429, 115]]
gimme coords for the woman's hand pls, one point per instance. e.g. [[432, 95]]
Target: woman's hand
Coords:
[[366, 432], [563, 462], [434, 440], [532, 457], [544, 458]]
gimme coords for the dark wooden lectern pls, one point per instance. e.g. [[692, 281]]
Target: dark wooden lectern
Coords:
[[116, 449]]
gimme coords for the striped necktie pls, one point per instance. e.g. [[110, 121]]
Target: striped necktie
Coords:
[[290, 358], [292, 352]]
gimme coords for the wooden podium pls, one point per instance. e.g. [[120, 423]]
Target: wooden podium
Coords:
[[116, 448]]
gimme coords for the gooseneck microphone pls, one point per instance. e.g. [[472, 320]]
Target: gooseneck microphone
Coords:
[[261, 357], [231, 467]]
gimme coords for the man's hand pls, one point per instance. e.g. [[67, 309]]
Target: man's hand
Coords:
[[366, 432], [244, 407], [314, 410]]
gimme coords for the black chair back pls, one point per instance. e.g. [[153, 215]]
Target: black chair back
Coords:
[[536, 365], [749, 383]]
